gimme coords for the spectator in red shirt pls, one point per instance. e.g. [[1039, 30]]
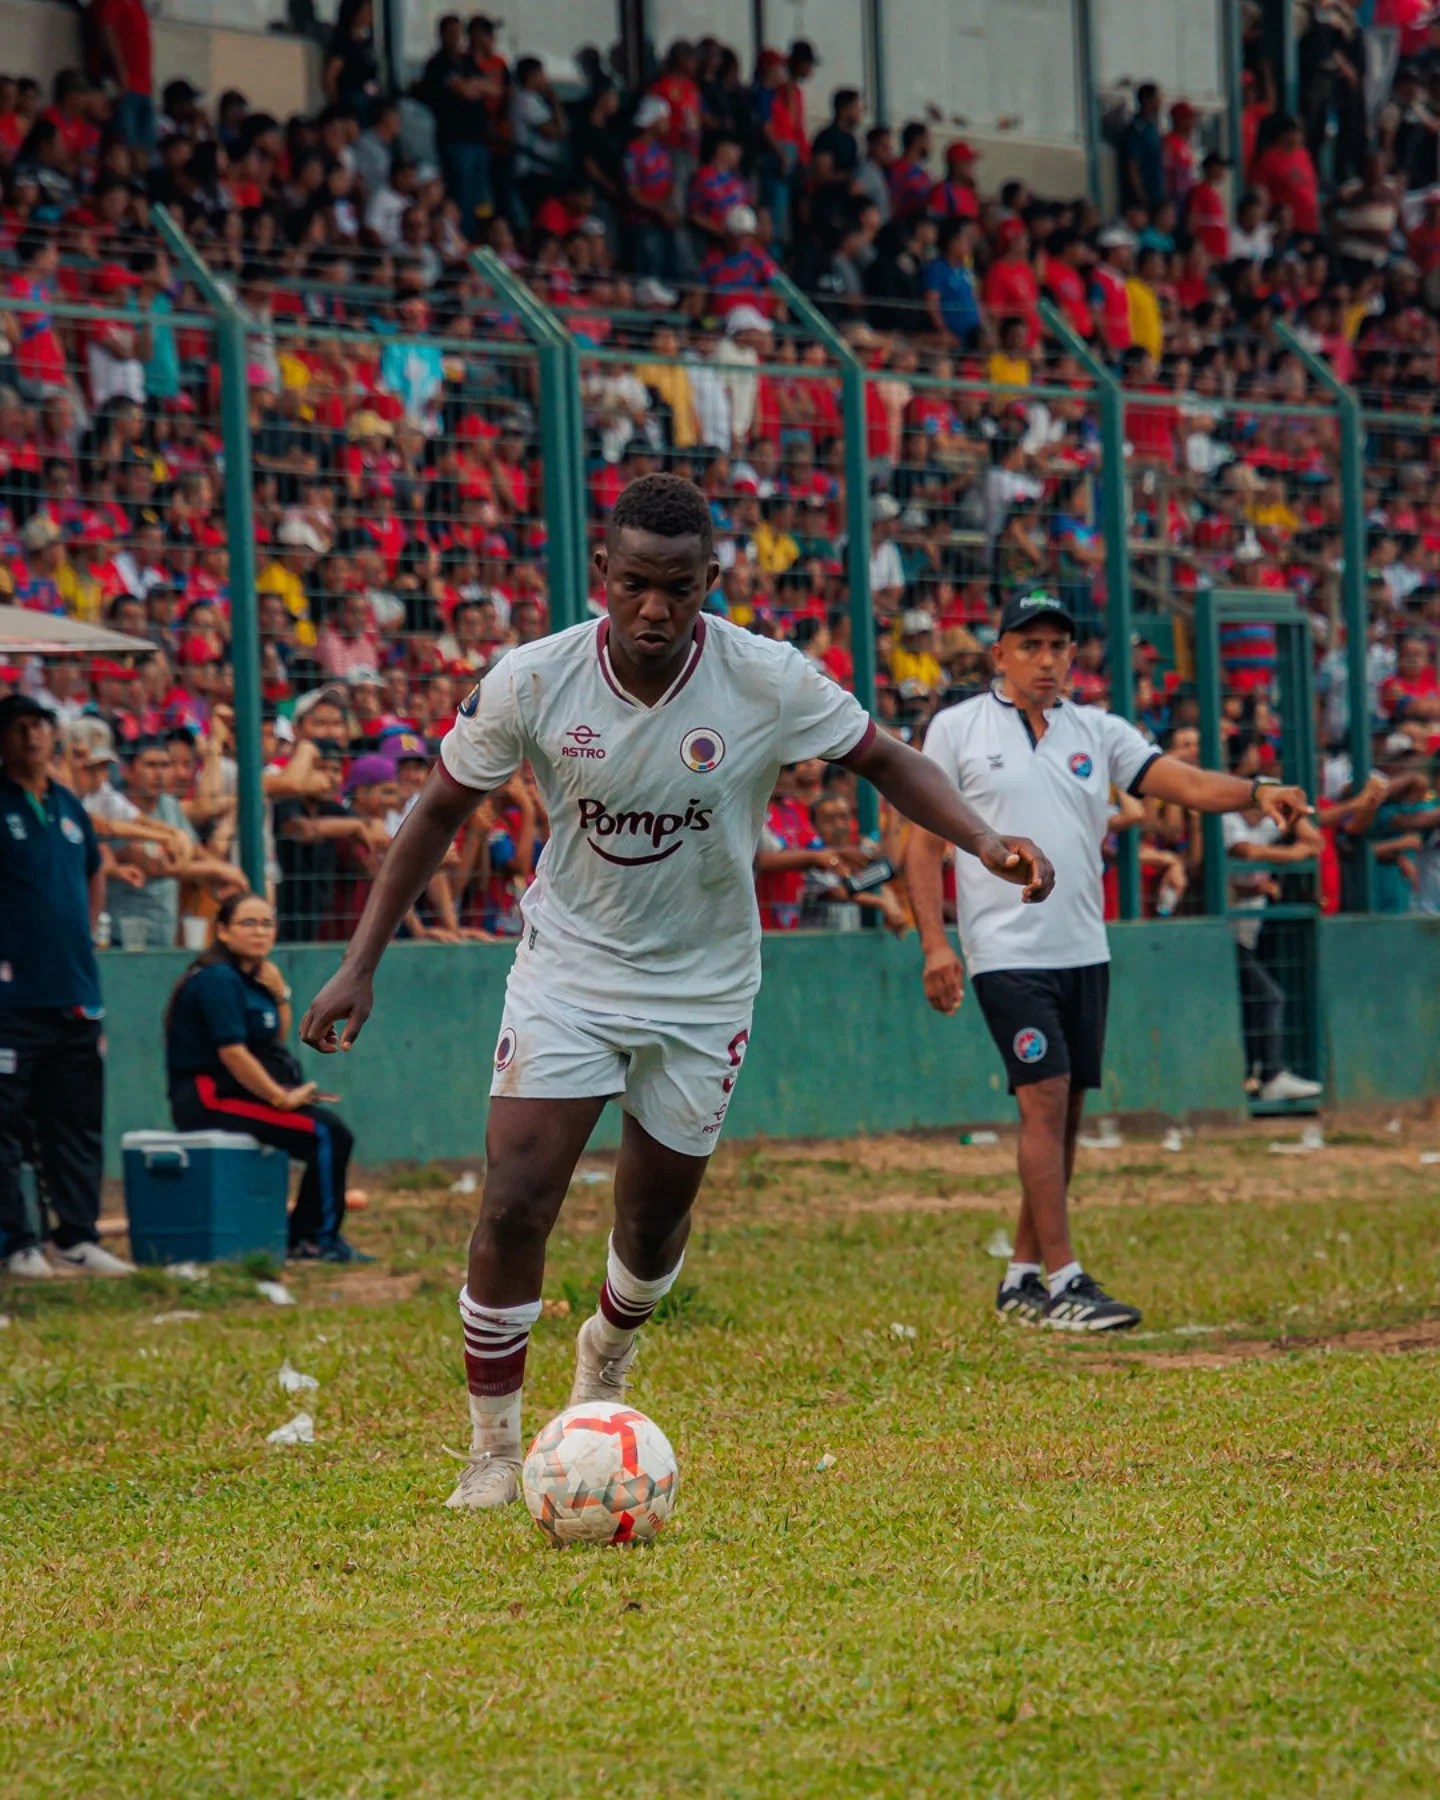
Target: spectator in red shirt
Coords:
[[790, 98], [908, 176], [1177, 152], [680, 91], [1207, 218], [1410, 698], [1064, 267], [69, 113], [123, 28], [1011, 289], [716, 188], [649, 193], [956, 197], [1287, 173], [1117, 256], [33, 343]]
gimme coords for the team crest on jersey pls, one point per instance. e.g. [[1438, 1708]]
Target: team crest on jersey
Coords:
[[1081, 766], [470, 705], [505, 1048], [702, 750], [1030, 1045], [17, 827], [72, 831]]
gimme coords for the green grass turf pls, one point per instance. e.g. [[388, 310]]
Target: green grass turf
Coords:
[[1187, 1564]]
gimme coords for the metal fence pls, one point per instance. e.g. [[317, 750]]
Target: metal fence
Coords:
[[358, 502]]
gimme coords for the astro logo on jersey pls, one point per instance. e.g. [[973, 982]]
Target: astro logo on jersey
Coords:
[[702, 750], [1030, 1045], [1081, 767], [626, 831], [584, 741]]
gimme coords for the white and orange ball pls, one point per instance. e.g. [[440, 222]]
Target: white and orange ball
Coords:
[[600, 1474]]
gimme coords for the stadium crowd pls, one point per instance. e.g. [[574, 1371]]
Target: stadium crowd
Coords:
[[398, 484]]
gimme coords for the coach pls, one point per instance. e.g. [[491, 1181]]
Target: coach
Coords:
[[52, 1076], [1036, 763]]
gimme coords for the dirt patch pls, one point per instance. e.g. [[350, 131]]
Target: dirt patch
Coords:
[[359, 1289], [1383, 1340]]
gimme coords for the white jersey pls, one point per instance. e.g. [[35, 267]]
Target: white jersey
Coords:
[[1056, 791], [644, 900]]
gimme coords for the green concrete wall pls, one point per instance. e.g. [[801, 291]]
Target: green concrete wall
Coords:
[[843, 1041], [1380, 1008]]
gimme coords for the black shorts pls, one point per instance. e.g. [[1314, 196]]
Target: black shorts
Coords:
[[1047, 1022]]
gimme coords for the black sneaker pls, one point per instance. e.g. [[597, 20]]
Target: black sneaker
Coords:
[[337, 1250], [1083, 1305], [1024, 1301]]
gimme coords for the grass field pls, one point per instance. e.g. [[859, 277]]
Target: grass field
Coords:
[[1202, 1561]]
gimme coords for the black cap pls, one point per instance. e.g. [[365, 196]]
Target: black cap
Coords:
[[1024, 609], [20, 706]]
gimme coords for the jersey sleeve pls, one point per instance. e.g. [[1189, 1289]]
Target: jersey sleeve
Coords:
[[1127, 754], [486, 744], [220, 1001], [817, 716]]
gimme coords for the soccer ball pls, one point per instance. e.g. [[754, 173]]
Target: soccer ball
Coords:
[[600, 1474]]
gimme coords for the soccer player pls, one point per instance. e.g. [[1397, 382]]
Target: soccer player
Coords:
[[655, 735], [1038, 762]]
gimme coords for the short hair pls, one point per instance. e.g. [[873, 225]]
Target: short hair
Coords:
[[913, 133], [666, 505], [843, 97]]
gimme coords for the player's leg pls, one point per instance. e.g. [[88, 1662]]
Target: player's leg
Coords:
[[655, 1188], [531, 1149], [679, 1083]]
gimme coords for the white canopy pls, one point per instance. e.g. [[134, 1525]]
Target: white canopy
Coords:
[[27, 633]]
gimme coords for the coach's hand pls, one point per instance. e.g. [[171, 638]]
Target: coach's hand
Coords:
[[1285, 805], [347, 995], [1017, 859], [944, 980]]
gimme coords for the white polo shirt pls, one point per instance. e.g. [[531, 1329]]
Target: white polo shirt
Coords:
[[1056, 791], [644, 900]]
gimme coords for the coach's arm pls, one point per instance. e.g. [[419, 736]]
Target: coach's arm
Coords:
[[419, 848], [1208, 791]]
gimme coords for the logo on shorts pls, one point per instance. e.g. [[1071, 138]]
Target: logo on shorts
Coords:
[[702, 750], [470, 705], [72, 831], [584, 740], [1030, 1045], [505, 1049], [1081, 765]]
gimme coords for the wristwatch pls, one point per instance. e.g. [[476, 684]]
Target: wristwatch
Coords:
[[1259, 782]]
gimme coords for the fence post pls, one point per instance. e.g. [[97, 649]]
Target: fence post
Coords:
[[232, 355], [561, 443], [1114, 525], [1352, 585], [857, 501]]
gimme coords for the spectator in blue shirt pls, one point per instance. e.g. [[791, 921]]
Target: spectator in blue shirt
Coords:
[[950, 296], [52, 1073], [1142, 153]]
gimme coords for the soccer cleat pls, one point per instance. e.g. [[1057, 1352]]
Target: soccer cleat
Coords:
[[599, 1377], [1288, 1086], [1083, 1305], [1023, 1301], [487, 1481], [94, 1258], [29, 1265]]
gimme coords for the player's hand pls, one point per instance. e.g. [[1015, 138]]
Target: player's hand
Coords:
[[1016, 859], [1287, 806], [347, 995], [944, 980]]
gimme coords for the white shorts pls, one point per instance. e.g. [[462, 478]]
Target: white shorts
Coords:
[[676, 1080]]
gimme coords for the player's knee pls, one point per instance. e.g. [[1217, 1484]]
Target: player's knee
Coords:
[[515, 1213], [1045, 1102]]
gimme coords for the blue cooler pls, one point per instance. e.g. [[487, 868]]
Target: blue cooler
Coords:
[[204, 1196]]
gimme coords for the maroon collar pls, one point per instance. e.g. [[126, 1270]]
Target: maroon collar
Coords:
[[692, 662]]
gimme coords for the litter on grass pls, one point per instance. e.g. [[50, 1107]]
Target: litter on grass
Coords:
[[293, 1381], [827, 1461], [1429, 1157], [1311, 1138], [185, 1316], [903, 1331], [275, 1292], [1107, 1137], [980, 1140], [1174, 1139], [589, 1178], [300, 1430], [467, 1183], [999, 1246], [4, 1321], [188, 1271]]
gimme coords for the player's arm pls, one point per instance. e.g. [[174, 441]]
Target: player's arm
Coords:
[[919, 788], [419, 849], [1208, 791]]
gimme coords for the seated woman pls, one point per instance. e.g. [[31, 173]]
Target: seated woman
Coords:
[[229, 1069]]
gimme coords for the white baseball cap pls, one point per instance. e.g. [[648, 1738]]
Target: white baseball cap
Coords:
[[741, 220], [652, 110], [746, 318]]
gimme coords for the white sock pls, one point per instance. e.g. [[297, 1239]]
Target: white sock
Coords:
[[1061, 1278], [626, 1302], [496, 1339], [1017, 1272]]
